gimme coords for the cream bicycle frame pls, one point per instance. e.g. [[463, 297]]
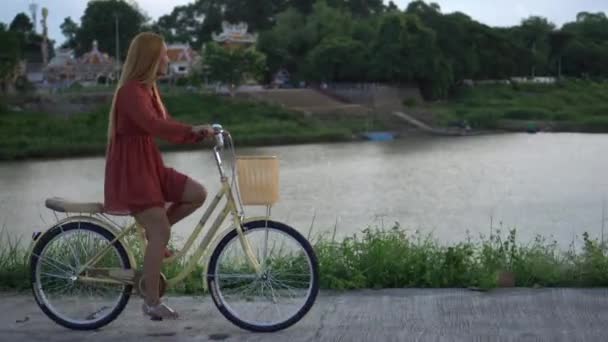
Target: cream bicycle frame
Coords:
[[122, 276]]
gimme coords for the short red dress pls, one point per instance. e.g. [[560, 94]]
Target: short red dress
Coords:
[[135, 176]]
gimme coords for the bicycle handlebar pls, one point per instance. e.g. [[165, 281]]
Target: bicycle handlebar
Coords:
[[219, 133]]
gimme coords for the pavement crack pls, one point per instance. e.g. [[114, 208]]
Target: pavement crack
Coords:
[[332, 309]]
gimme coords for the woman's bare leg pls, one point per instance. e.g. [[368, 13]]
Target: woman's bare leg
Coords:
[[158, 232], [193, 198]]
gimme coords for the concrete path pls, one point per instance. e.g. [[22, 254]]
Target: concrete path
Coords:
[[384, 315]]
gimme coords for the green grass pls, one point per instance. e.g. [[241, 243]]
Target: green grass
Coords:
[[31, 135], [394, 258], [577, 105], [14, 273]]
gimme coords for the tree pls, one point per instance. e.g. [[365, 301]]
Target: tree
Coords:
[[287, 44], [455, 35], [586, 17], [302, 6], [358, 8], [533, 34], [366, 40], [295, 35], [69, 29], [387, 63], [98, 23], [327, 60], [232, 66], [326, 21], [192, 23], [559, 42], [29, 42], [259, 15], [391, 7], [422, 9], [9, 57], [587, 51], [21, 23], [364, 30]]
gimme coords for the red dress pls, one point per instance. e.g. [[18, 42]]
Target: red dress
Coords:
[[136, 177]]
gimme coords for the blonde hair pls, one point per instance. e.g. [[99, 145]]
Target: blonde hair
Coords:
[[141, 65]]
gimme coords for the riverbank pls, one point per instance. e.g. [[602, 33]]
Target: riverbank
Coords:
[[397, 258], [568, 106], [28, 135]]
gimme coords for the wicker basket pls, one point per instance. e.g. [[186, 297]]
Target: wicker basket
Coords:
[[258, 179]]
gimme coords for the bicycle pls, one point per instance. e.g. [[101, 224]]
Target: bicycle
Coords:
[[83, 269]]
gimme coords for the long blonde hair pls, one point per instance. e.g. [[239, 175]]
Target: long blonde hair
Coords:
[[142, 65]]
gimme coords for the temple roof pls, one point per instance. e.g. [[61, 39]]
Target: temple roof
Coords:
[[95, 56], [234, 33], [180, 52]]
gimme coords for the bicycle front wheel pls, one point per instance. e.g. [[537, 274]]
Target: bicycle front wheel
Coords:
[[281, 294]]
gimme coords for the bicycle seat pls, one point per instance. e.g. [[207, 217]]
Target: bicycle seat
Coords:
[[67, 206]]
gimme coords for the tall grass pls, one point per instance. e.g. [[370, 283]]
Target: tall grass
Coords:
[[396, 258], [14, 268]]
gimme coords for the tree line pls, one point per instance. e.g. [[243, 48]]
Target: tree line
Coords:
[[364, 40]]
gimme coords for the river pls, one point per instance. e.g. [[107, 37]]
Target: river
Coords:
[[549, 184]]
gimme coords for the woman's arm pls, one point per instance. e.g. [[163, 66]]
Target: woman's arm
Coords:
[[135, 102]]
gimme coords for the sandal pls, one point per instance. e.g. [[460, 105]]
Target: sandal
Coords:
[[159, 312]]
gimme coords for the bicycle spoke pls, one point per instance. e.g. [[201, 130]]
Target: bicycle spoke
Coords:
[[285, 286], [265, 247], [56, 287], [238, 276], [52, 275], [274, 299], [84, 248], [262, 290], [246, 288], [76, 260], [298, 281], [54, 263]]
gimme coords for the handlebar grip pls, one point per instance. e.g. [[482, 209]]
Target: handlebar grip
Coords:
[[219, 135], [217, 128]]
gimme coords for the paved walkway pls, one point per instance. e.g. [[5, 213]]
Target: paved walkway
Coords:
[[385, 315]]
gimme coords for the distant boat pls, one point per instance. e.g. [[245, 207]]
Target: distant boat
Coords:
[[379, 136], [532, 128]]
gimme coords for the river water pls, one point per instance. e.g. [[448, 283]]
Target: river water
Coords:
[[549, 184]]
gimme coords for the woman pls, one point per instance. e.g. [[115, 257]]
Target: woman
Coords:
[[136, 181]]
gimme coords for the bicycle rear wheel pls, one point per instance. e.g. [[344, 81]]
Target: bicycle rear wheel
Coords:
[[57, 287], [277, 298]]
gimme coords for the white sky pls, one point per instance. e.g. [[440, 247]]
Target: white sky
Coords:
[[491, 12]]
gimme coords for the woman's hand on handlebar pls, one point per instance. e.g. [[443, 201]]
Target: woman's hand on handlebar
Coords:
[[204, 131]]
